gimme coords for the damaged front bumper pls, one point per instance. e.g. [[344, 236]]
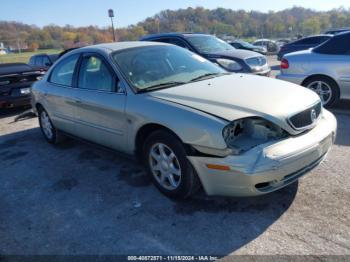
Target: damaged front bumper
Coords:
[[268, 167]]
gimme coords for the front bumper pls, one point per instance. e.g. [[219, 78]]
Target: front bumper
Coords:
[[268, 167]]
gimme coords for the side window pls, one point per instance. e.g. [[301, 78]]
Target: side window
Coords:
[[62, 74], [178, 42], [39, 61], [173, 41], [95, 75]]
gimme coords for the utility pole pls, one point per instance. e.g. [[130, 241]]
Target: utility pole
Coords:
[[111, 15]]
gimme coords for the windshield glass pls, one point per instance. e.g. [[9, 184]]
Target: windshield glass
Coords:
[[208, 44], [158, 66]]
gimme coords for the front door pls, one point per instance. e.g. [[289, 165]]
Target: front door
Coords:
[[100, 116]]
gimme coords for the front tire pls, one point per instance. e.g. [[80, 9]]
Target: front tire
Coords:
[[171, 172], [51, 134]]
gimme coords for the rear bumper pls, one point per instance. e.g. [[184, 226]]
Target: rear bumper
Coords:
[[10, 102], [268, 167], [263, 73], [296, 79]]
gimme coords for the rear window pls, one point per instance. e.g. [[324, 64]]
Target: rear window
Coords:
[[338, 45], [308, 41]]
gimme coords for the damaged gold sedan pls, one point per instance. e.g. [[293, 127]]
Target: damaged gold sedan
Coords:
[[192, 123]]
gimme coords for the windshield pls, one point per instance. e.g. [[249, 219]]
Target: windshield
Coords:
[[155, 67], [208, 44]]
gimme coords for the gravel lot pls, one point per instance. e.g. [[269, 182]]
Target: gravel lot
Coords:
[[78, 199]]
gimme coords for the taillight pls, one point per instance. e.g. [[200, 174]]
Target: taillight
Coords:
[[284, 64]]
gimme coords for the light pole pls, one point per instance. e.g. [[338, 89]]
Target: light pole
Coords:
[[111, 15]]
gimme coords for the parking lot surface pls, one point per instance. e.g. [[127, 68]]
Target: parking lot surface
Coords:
[[75, 198]]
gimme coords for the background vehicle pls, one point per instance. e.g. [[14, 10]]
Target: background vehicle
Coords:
[[189, 120], [239, 44], [217, 51], [15, 82], [43, 61], [324, 69], [270, 45], [282, 42], [302, 44], [337, 31]]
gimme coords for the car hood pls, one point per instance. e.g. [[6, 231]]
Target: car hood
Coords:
[[236, 96], [234, 53]]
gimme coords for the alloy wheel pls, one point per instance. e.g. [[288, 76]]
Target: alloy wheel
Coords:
[[165, 166], [46, 125], [323, 90]]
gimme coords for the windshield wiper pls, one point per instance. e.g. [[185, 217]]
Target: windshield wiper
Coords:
[[161, 86], [207, 76]]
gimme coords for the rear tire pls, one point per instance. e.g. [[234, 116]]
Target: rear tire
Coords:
[[170, 170], [326, 88], [50, 133]]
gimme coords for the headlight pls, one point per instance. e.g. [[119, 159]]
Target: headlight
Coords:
[[25, 91], [229, 65], [256, 63], [244, 134]]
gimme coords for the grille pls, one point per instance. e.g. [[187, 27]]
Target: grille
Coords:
[[306, 118]]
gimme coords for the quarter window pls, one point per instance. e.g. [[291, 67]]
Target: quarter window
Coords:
[[95, 75], [62, 74]]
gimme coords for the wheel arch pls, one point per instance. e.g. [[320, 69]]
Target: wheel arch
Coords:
[[319, 75], [147, 130], [38, 106]]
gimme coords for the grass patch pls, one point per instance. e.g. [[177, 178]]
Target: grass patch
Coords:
[[24, 57]]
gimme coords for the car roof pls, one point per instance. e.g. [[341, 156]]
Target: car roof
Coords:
[[175, 34], [320, 35], [117, 46], [265, 39]]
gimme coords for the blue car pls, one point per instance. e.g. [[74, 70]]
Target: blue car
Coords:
[[302, 44], [217, 51]]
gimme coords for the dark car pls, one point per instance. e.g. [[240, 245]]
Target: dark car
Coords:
[[15, 84], [43, 61], [337, 31], [239, 44], [302, 44], [217, 51]]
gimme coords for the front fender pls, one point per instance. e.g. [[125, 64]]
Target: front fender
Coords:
[[190, 125]]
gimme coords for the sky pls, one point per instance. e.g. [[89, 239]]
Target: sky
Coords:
[[94, 12]]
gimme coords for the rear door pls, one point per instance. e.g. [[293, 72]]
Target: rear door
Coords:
[[100, 114]]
